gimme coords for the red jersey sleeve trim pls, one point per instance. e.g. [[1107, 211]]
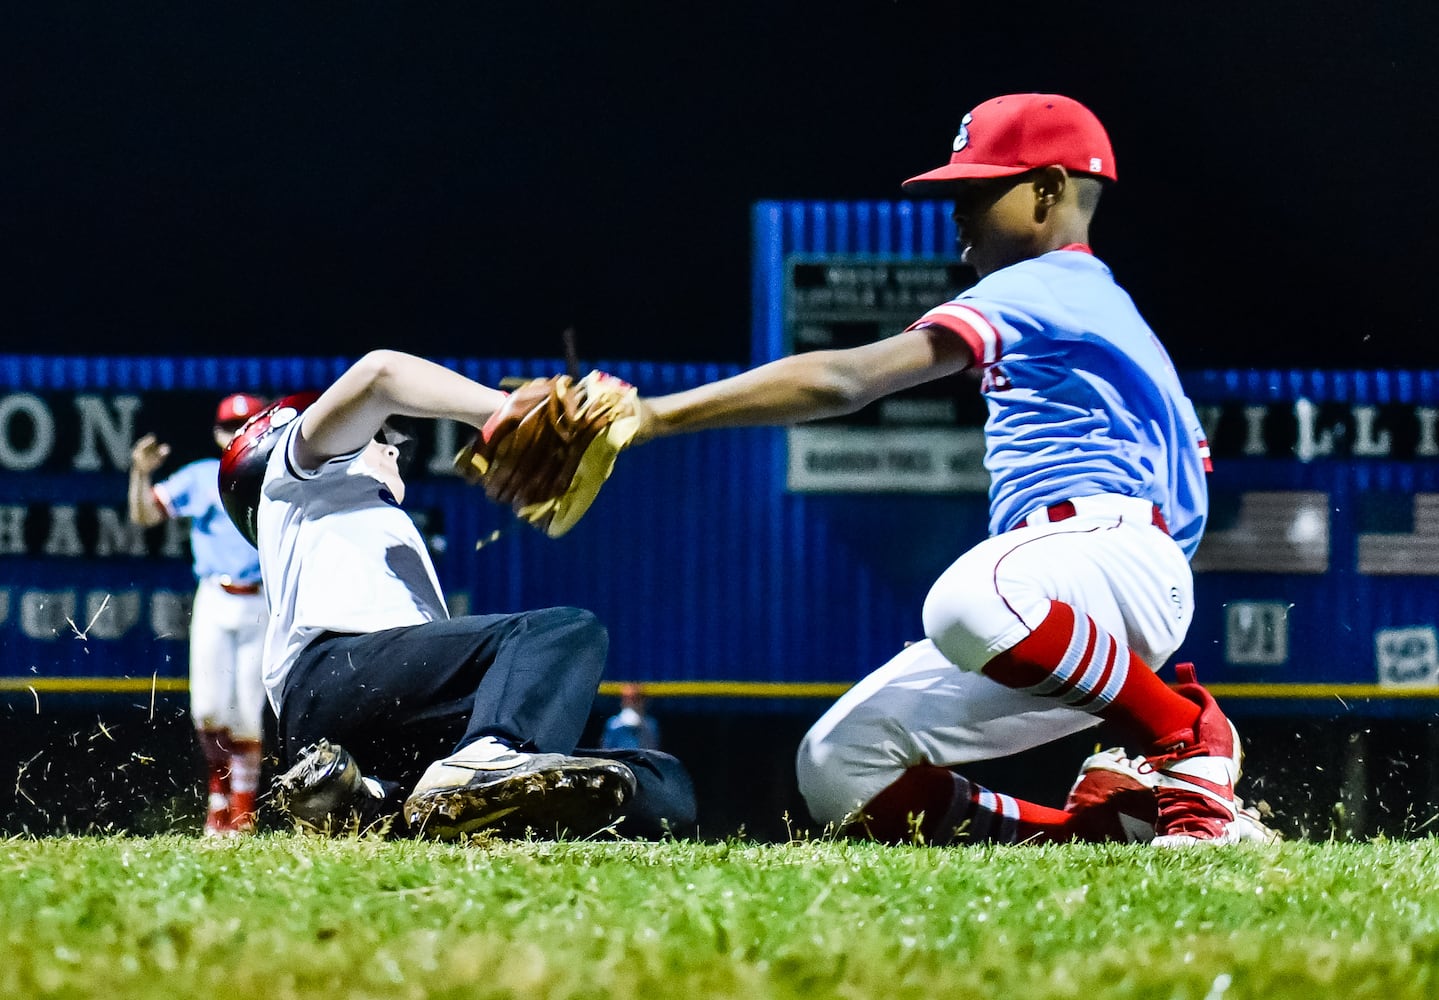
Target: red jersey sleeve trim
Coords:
[[970, 326]]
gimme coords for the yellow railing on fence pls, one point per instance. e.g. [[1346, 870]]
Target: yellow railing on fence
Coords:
[[734, 689]]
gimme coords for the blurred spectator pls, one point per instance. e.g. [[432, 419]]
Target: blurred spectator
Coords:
[[631, 728]]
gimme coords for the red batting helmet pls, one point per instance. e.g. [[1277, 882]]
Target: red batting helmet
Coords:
[[238, 408], [242, 466]]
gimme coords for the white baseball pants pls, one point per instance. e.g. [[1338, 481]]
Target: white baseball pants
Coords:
[[931, 704], [227, 641]]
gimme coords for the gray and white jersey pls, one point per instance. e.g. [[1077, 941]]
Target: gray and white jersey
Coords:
[[338, 554]]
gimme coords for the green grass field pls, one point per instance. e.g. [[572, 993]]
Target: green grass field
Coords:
[[281, 916]]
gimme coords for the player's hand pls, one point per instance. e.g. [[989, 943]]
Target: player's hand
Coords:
[[148, 454], [547, 451]]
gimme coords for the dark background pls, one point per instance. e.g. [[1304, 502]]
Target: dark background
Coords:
[[471, 178]]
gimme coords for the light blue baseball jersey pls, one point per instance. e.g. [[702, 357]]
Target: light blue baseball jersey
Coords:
[[217, 545], [1082, 397]]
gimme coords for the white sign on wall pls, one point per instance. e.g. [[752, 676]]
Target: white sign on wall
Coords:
[[839, 459], [1407, 657], [1256, 632]]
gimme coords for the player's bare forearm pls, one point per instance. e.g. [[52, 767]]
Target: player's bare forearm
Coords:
[[144, 509], [809, 386], [386, 383], [787, 391]]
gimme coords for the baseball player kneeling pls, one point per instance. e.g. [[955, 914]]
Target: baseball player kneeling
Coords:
[[1098, 499]]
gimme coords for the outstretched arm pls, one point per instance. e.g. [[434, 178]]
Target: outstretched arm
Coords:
[[808, 386], [381, 384]]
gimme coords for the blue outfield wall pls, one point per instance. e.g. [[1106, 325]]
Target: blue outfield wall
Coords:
[[1316, 581], [713, 578], [704, 571]]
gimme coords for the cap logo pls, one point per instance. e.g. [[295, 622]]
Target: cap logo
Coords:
[[961, 139], [1095, 164]]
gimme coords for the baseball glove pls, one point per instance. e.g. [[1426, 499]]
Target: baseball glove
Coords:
[[550, 447]]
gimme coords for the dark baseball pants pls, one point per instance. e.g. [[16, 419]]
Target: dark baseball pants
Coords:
[[402, 698]]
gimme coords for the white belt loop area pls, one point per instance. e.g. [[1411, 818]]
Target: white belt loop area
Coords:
[[1100, 505]]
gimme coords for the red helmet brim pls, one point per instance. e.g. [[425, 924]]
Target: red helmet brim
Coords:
[[242, 466]]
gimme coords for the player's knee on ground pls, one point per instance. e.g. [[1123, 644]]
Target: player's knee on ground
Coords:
[[911, 809], [818, 779], [838, 775], [908, 804]]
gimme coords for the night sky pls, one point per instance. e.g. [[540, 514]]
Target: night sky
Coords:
[[471, 178]]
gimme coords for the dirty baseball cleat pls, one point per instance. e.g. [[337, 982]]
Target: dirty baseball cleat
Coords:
[[1113, 798], [1196, 774], [488, 786], [242, 814], [217, 815], [325, 793]]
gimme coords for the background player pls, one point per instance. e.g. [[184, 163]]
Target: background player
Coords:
[[632, 726], [1097, 498], [227, 619], [463, 724]]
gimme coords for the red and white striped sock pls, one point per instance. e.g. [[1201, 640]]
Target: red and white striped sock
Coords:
[[215, 745], [1072, 660], [244, 780], [936, 805]]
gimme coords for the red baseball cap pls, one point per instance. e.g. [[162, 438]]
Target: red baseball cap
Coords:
[[1018, 132], [238, 408]]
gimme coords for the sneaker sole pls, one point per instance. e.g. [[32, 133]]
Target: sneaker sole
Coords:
[[1185, 841], [576, 800]]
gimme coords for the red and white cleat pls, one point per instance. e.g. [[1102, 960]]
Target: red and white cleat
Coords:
[[1196, 774], [217, 816], [242, 813], [1113, 798]]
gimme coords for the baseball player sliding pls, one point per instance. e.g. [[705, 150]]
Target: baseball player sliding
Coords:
[[463, 724], [227, 621], [1097, 500]]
